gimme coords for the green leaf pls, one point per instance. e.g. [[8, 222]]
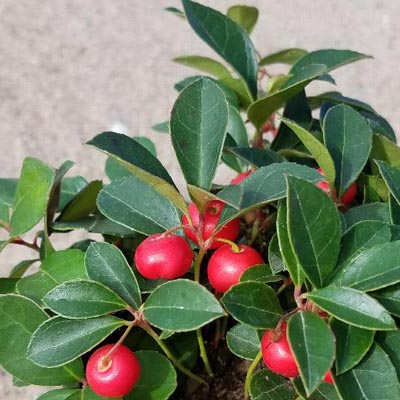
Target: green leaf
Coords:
[[324, 391], [19, 318], [373, 187], [315, 240], [260, 273], [290, 260], [8, 285], [385, 150], [162, 127], [227, 38], [391, 175], [256, 156], [70, 187], [352, 343], [390, 299], [253, 304], [394, 209], [19, 270], [205, 64], [263, 108], [81, 299], [32, 195], [243, 341], [58, 341], [137, 205], [275, 257], [316, 148], [58, 267], [390, 342], [354, 307], [331, 58], [372, 269], [181, 305], [348, 138], [105, 263], [198, 125], [287, 56], [176, 12], [313, 346], [157, 377], [236, 128], [83, 204], [265, 385], [58, 394], [87, 394], [379, 125], [369, 212], [361, 236], [374, 378], [8, 188], [245, 16]]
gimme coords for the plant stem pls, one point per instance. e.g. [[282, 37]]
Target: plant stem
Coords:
[[197, 264], [235, 247], [168, 353], [22, 242], [249, 374], [121, 340]]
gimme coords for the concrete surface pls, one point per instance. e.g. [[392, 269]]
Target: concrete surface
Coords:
[[70, 69]]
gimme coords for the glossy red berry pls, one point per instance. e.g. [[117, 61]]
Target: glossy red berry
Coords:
[[115, 377], [329, 378], [276, 352], [166, 257], [226, 265], [211, 215], [239, 178]]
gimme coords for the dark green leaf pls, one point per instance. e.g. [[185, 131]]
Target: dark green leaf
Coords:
[[287, 56], [8, 285], [83, 204], [105, 263], [265, 385], [315, 240], [243, 341], [32, 195], [245, 16], [379, 125], [227, 38], [390, 342], [8, 187], [374, 378], [19, 318], [181, 305], [58, 267], [83, 299], [275, 257], [253, 304], [372, 269], [70, 187], [313, 346], [58, 341], [367, 212], [256, 156], [352, 343], [354, 307], [87, 394], [324, 391], [390, 298], [391, 175], [331, 58], [263, 108], [260, 273], [157, 377], [176, 12], [198, 128], [237, 129], [394, 209], [58, 394]]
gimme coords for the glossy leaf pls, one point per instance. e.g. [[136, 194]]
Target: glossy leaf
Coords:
[[155, 383], [315, 239], [353, 307], [390, 299], [256, 156], [253, 304], [58, 341], [263, 108], [394, 210], [87, 394], [390, 342], [316, 148], [260, 273], [352, 343], [322, 392], [265, 385], [83, 299], [105, 263], [243, 341], [349, 140], [245, 16], [227, 38], [313, 346], [287, 56], [368, 212], [331, 58], [181, 305], [137, 205], [372, 269], [32, 195], [58, 394], [19, 318], [373, 378], [198, 128]]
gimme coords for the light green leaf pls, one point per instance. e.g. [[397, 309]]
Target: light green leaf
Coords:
[[287, 56], [245, 16], [391, 175]]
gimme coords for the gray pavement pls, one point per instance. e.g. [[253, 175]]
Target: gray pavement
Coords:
[[70, 69]]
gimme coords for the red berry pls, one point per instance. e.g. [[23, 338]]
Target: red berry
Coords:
[[211, 215], [166, 257], [114, 377], [274, 132], [329, 378], [277, 354], [239, 178], [266, 127], [226, 266]]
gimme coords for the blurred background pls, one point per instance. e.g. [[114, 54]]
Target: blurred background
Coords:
[[70, 69]]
